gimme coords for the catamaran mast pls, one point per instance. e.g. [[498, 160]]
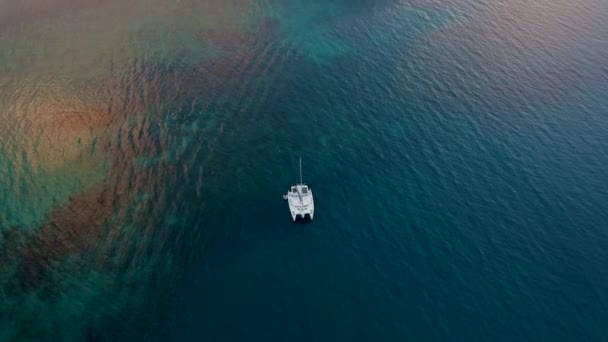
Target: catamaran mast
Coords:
[[300, 170]]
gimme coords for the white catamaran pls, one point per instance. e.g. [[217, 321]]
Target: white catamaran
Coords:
[[300, 200]]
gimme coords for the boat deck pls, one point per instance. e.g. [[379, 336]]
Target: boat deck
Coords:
[[301, 202]]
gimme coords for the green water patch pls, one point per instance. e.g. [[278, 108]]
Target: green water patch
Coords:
[[313, 29], [305, 27], [77, 297], [27, 195]]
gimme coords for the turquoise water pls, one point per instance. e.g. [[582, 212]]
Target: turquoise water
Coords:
[[457, 151]]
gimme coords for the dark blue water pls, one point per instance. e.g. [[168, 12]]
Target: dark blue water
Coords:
[[457, 152]]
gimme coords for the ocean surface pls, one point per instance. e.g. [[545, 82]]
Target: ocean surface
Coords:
[[457, 150]]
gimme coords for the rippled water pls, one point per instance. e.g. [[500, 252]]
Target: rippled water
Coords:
[[457, 151]]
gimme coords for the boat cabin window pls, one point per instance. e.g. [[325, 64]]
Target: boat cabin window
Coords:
[[305, 189], [293, 189]]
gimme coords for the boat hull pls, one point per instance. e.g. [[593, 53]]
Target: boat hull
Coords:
[[301, 202], [302, 217]]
